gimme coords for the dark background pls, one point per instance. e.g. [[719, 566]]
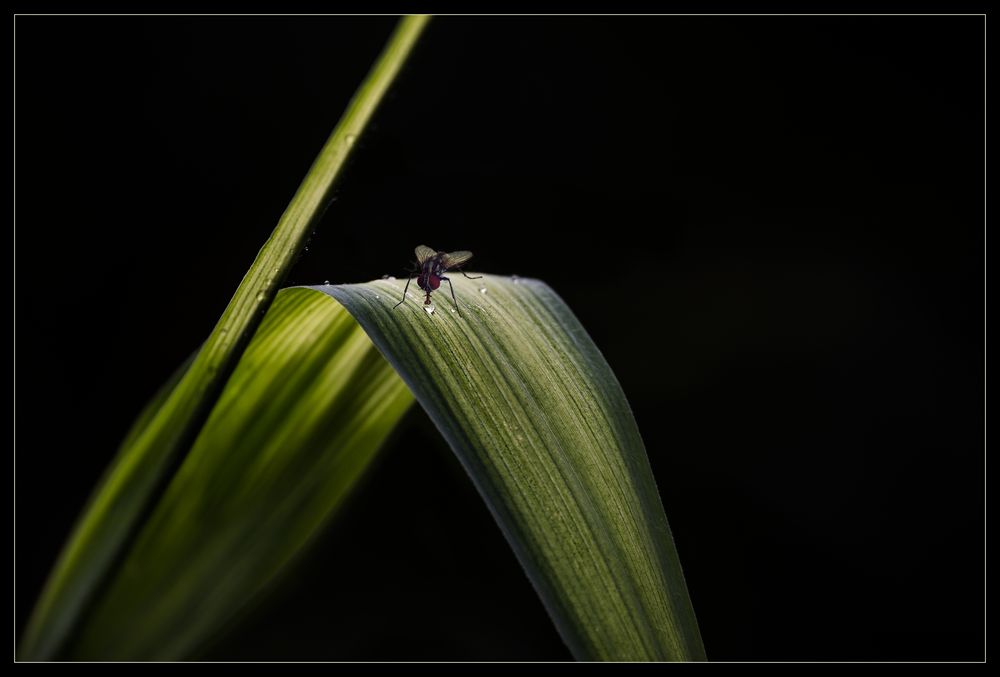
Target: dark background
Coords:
[[771, 226]]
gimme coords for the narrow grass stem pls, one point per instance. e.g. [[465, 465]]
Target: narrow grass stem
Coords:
[[139, 472]]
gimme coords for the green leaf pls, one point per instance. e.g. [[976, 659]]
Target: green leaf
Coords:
[[521, 394], [215, 491], [147, 461], [538, 419], [307, 407]]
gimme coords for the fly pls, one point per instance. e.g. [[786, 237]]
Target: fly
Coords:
[[431, 268]]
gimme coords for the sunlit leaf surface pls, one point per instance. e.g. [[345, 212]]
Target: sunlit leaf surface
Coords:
[[303, 414], [533, 411]]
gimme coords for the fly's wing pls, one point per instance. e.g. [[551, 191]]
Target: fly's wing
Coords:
[[456, 259], [423, 253]]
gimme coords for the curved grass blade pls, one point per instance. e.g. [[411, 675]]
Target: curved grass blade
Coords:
[[307, 407], [142, 466], [539, 421]]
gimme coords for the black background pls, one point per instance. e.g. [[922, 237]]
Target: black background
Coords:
[[771, 226]]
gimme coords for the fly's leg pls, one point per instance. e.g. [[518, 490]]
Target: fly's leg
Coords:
[[477, 277], [453, 295], [404, 293]]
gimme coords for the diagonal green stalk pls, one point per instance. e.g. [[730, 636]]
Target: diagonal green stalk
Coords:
[[143, 464]]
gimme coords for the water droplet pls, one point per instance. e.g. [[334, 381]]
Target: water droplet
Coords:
[[515, 279], [305, 249], [385, 277], [261, 296], [453, 310], [482, 290], [350, 139], [391, 278], [326, 282], [429, 309], [377, 296]]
